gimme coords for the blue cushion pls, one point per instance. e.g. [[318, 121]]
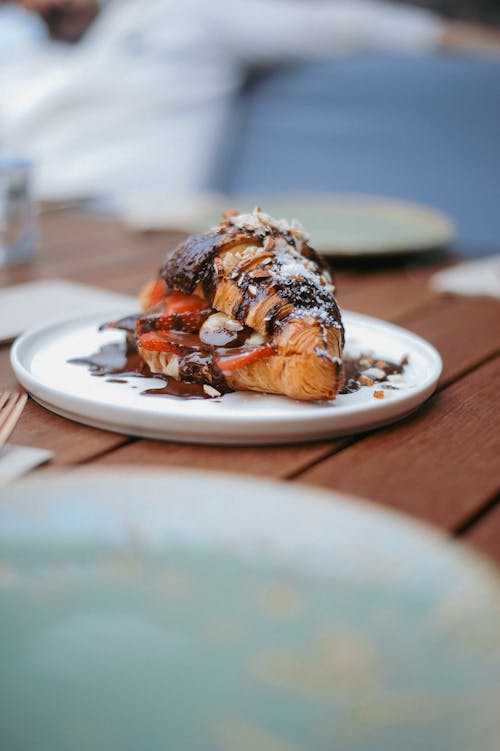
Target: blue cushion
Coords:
[[424, 129]]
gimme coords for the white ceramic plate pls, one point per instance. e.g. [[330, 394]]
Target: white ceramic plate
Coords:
[[214, 613], [39, 359], [348, 225]]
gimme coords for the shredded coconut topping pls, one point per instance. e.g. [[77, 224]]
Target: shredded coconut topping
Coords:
[[262, 224]]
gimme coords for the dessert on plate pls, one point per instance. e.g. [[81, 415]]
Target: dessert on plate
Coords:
[[247, 306]]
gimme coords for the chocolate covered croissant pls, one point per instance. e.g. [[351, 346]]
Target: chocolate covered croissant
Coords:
[[249, 305]]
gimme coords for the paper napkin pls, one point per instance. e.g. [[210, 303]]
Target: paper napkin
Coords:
[[472, 278], [17, 460], [36, 303]]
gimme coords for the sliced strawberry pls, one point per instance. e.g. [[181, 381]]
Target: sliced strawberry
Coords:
[[178, 302], [157, 341], [156, 293], [185, 312], [179, 342], [233, 362]]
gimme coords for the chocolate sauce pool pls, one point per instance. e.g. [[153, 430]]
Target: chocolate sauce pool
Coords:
[[354, 367], [116, 361]]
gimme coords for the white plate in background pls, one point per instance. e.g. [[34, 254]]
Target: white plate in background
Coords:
[[40, 362], [338, 225], [23, 306]]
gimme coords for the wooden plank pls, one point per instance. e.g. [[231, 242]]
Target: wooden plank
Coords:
[[441, 465], [485, 534], [466, 331], [387, 294], [264, 461], [7, 377]]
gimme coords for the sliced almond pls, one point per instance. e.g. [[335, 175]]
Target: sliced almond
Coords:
[[210, 391], [377, 374], [366, 381]]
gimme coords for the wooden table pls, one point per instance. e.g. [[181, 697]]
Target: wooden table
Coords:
[[441, 464]]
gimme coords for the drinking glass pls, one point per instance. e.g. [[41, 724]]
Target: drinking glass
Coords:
[[18, 227]]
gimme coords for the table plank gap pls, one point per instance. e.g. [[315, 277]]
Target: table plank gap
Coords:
[[262, 461], [484, 535], [480, 514], [446, 382], [127, 441], [339, 445]]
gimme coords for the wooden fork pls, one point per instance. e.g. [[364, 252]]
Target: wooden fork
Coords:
[[12, 404]]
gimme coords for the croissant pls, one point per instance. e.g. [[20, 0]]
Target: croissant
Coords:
[[249, 305]]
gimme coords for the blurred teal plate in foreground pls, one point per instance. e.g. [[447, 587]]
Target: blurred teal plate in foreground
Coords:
[[346, 225], [197, 612]]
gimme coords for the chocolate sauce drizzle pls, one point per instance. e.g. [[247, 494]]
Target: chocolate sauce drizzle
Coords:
[[192, 261], [114, 359]]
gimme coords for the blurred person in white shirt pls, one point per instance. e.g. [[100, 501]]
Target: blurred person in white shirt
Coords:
[[134, 112]]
